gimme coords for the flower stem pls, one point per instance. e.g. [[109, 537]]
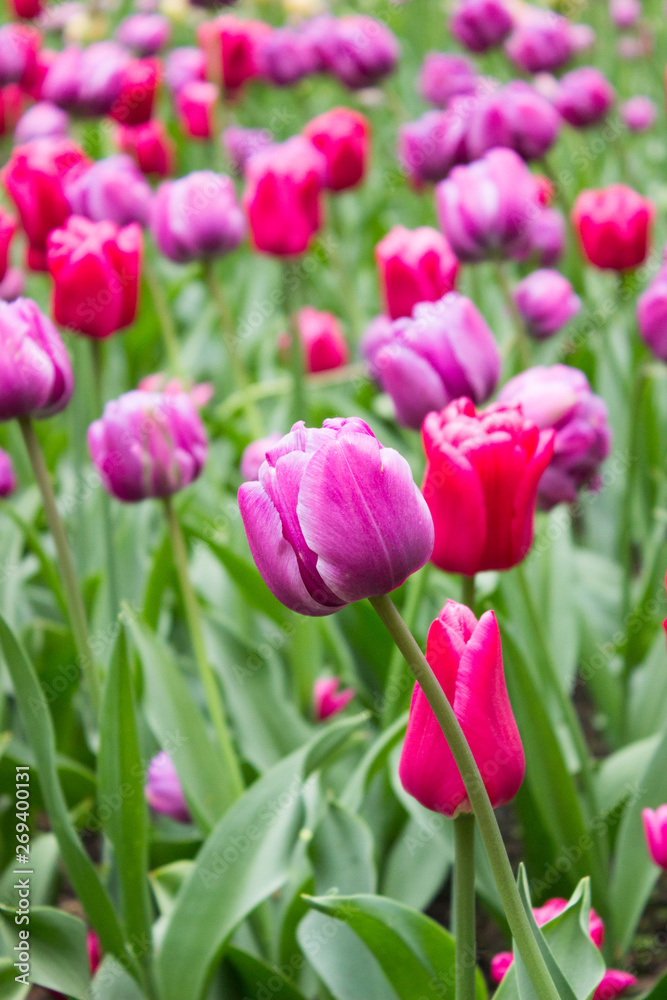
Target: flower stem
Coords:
[[395, 684], [517, 917], [77, 611], [299, 406], [468, 591], [165, 319], [211, 691], [107, 517], [464, 906]]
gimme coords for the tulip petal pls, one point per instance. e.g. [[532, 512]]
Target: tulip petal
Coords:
[[453, 492], [413, 384]]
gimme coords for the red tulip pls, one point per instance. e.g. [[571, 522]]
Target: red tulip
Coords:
[[7, 230], [415, 265], [195, 105], [342, 136], [322, 340], [134, 105], [27, 9], [231, 46], [150, 145], [614, 225], [11, 106]]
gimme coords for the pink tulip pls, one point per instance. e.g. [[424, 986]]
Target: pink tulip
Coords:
[[327, 699], [322, 340], [195, 106], [342, 136], [415, 265], [655, 830]]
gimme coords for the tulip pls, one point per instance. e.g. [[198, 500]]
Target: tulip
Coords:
[[541, 42], [94, 949], [7, 230], [62, 79], [145, 33], [516, 116], [241, 143], [625, 13], [231, 47], [35, 179], [18, 51], [41, 120], [334, 518], [327, 699], [559, 398], [613, 984], [27, 9], [359, 50], [652, 314], [150, 145], [88, 81], [584, 97], [342, 136], [655, 831], [163, 789], [429, 147], [253, 456], [183, 65], [148, 444], [546, 237], [195, 106], [283, 196], [466, 658], [481, 479], [414, 265], [7, 475], [480, 24], [11, 107], [95, 270], [322, 340], [444, 75], [639, 113], [613, 225], [446, 350], [546, 302], [113, 189], [488, 207], [12, 285], [33, 81], [35, 374], [197, 217], [286, 56], [134, 105]]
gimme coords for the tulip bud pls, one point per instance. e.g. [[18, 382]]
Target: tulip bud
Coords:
[[480, 24], [27, 9], [7, 475], [41, 120], [253, 456], [655, 831], [322, 340], [327, 699], [87, 81], [195, 107], [231, 47], [334, 518], [113, 189], [546, 302], [12, 285], [639, 113], [613, 225], [242, 143], [163, 789], [139, 82], [560, 398], [481, 479], [625, 13], [359, 50], [429, 147], [150, 145], [414, 265], [18, 51], [542, 41], [613, 984], [197, 217], [444, 75], [466, 657], [584, 96], [515, 116], [283, 196], [11, 106], [446, 350], [145, 33], [286, 56], [546, 237], [95, 270], [184, 65], [7, 230], [148, 444], [36, 376], [652, 315], [94, 949], [342, 136]]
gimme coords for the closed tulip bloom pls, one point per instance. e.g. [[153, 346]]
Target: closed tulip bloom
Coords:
[[95, 267], [231, 46], [444, 75], [334, 518], [515, 116], [466, 658], [342, 136], [197, 217], [613, 984], [101, 77], [283, 196], [480, 24], [145, 33], [613, 225], [487, 208], [18, 51], [113, 189], [327, 699], [11, 107], [241, 143], [62, 79], [446, 350], [35, 179], [12, 285], [7, 475], [546, 302], [652, 315], [360, 51], [183, 65], [414, 265], [431, 146], [481, 479], [94, 949], [254, 455], [195, 107], [559, 398], [41, 120], [655, 830], [148, 444], [163, 789], [625, 13], [639, 113], [149, 145], [286, 56], [27, 9], [584, 96], [546, 237], [36, 377], [7, 230], [322, 340], [139, 82], [542, 41]]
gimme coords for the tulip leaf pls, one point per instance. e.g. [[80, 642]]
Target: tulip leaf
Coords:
[[112, 982], [372, 762], [246, 976], [57, 949], [9, 988]]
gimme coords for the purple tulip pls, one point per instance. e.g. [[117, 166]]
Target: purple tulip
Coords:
[[197, 216], [327, 699], [546, 237], [253, 456], [36, 377], [444, 75], [541, 42], [18, 48], [148, 444], [42, 119], [7, 475], [625, 13], [286, 56], [358, 50], [560, 397], [87, 81], [184, 65], [652, 314], [112, 189], [145, 33], [163, 789], [584, 96], [429, 147], [516, 116], [546, 302], [639, 113], [240, 144], [444, 351], [334, 518], [489, 207], [62, 79], [480, 24]]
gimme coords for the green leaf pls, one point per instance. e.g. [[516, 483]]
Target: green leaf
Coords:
[[167, 881], [57, 949], [112, 982], [9, 988], [39, 728], [249, 975], [619, 775], [341, 853], [122, 802], [373, 760]]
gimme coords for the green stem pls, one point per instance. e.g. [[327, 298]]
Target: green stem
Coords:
[[77, 611], [634, 429], [211, 690], [517, 917], [281, 386], [107, 516], [165, 319], [468, 591], [299, 409], [464, 906], [395, 685], [520, 335]]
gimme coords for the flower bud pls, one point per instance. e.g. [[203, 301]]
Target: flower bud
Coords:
[[184, 65], [546, 302], [480, 25], [286, 56], [584, 97], [652, 315], [18, 51], [342, 136], [429, 147], [163, 789], [41, 120], [197, 217], [515, 116], [231, 47], [195, 107], [625, 13], [145, 33], [150, 145], [546, 237], [414, 265], [7, 475], [113, 189], [7, 230], [322, 340], [36, 377], [639, 113], [613, 225], [444, 75], [542, 41], [11, 106], [327, 699], [359, 50], [139, 82], [253, 456]]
